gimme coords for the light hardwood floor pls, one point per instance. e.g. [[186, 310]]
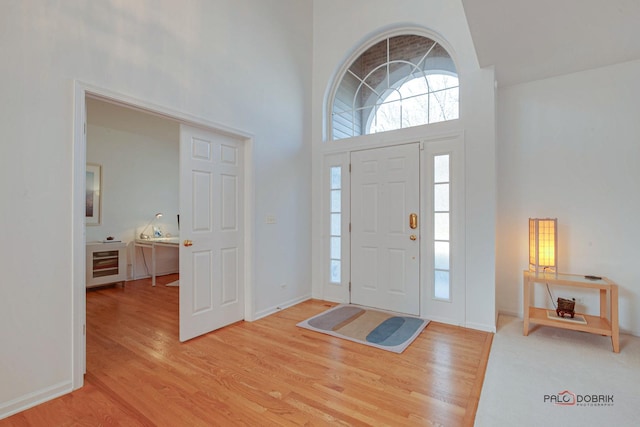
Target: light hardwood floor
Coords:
[[262, 373]]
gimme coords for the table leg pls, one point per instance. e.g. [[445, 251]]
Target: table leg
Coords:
[[133, 262], [526, 304], [615, 330], [603, 303], [153, 265]]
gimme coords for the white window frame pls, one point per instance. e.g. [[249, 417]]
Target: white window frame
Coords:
[[333, 291], [453, 309], [447, 143], [328, 134]]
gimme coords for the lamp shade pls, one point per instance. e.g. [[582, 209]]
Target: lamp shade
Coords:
[[543, 244]]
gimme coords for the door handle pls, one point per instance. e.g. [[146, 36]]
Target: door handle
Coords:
[[187, 243], [413, 237], [413, 221]]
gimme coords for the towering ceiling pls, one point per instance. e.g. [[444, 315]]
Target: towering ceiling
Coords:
[[530, 40]]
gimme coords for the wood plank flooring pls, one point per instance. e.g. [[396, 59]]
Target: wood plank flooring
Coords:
[[263, 373]]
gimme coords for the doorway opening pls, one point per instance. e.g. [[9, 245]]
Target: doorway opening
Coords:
[[82, 92], [138, 156]]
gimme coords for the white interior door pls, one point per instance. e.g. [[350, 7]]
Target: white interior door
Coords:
[[211, 231], [385, 250]]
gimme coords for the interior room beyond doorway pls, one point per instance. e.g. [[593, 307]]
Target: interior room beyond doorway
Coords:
[[139, 158]]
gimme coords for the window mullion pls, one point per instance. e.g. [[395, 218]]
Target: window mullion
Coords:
[[370, 109]]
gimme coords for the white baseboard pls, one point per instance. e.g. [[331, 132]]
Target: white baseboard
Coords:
[[266, 312], [33, 399], [510, 313], [444, 320], [482, 327], [477, 326]]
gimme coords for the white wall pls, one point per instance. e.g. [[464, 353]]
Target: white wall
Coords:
[[342, 27], [569, 148], [139, 156], [245, 64]]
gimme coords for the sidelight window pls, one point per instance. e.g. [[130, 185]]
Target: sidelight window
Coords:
[[335, 227], [441, 227]]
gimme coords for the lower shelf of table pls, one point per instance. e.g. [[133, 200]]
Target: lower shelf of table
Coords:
[[595, 324]]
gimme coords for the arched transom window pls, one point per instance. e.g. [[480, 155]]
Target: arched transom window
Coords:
[[399, 82]]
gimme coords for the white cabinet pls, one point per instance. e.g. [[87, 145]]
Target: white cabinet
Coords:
[[106, 263]]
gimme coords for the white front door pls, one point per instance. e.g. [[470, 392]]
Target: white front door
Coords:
[[211, 231], [385, 249]]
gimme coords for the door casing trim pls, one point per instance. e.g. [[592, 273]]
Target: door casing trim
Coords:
[[340, 150], [81, 91]]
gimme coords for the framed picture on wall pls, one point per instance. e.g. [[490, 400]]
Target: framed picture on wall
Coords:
[[94, 194]]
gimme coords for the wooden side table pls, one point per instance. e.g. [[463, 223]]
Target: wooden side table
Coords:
[[605, 324]]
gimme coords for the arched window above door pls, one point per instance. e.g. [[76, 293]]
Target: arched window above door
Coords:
[[399, 82]]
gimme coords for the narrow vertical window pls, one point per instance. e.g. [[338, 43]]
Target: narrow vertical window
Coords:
[[441, 235], [335, 232]]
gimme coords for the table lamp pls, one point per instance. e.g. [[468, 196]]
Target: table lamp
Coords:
[[543, 245], [145, 236]]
